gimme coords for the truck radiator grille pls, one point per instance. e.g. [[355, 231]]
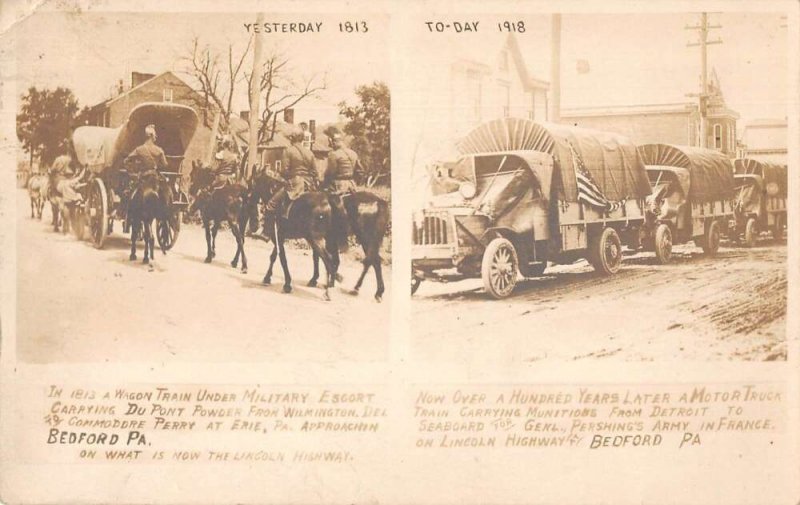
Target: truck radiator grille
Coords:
[[431, 231]]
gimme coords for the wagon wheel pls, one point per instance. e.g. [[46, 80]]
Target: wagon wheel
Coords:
[[97, 213], [663, 244], [605, 252], [167, 231], [710, 242], [499, 268]]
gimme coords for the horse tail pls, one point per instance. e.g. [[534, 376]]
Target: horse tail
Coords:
[[339, 226]]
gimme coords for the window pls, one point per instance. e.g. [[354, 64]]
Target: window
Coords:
[[504, 60], [717, 136], [167, 94], [505, 92], [474, 92]]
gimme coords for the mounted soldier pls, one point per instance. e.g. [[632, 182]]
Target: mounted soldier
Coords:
[[227, 163], [146, 158], [344, 168], [300, 175]]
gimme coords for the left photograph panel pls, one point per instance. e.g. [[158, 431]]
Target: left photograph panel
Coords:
[[202, 187]]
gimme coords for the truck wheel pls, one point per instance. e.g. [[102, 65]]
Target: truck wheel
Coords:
[[663, 244], [750, 233], [605, 252], [710, 242], [415, 282], [499, 268]]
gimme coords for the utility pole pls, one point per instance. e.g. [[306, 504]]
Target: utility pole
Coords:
[[255, 100], [555, 69], [703, 29]]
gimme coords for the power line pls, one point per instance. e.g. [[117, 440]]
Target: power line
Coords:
[[703, 29]]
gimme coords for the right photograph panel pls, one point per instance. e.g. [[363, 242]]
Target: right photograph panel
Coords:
[[601, 187]]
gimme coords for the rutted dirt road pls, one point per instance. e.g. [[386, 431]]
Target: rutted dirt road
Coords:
[[77, 303], [731, 307]]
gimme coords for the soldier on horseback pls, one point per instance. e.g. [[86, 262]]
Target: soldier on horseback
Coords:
[[227, 162], [148, 157], [343, 168], [300, 174]]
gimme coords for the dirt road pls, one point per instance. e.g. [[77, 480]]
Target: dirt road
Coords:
[[732, 307], [77, 303]]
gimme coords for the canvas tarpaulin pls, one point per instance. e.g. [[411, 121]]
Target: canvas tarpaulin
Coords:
[[710, 172], [773, 175], [612, 160]]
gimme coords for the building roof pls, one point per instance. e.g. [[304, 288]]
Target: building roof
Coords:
[[484, 58], [145, 83], [630, 110], [767, 123]]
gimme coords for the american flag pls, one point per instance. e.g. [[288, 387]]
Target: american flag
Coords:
[[588, 192]]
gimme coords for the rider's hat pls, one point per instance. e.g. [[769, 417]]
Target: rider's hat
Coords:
[[150, 131]]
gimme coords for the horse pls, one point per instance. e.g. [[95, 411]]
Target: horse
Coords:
[[225, 204], [38, 188], [150, 201], [368, 218], [311, 218]]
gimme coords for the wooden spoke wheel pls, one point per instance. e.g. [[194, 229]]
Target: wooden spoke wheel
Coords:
[[663, 244], [605, 252], [499, 268], [710, 243], [167, 231], [97, 213]]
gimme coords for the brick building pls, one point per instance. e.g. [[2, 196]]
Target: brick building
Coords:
[[674, 123], [164, 87]]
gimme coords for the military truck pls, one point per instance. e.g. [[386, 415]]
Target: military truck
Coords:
[[523, 194], [692, 197], [761, 191]]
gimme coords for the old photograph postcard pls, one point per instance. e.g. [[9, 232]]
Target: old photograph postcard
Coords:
[[399, 252]]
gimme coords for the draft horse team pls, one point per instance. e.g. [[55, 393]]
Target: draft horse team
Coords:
[[132, 173]]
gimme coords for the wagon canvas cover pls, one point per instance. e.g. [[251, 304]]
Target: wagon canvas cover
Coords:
[[710, 172], [101, 147], [774, 175], [612, 160]]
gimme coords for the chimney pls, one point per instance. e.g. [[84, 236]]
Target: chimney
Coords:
[[120, 87], [139, 77], [245, 115], [288, 116]]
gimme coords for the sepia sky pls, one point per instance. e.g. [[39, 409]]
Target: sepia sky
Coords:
[[90, 52]]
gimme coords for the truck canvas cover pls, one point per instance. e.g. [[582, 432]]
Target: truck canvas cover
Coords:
[[100, 147], [710, 172], [612, 160], [773, 175]]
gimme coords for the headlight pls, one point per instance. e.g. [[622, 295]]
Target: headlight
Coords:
[[467, 190]]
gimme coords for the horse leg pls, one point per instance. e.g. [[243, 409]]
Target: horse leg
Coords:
[[207, 226], [33, 207], [366, 264], [313, 282], [146, 235], [320, 248], [287, 277], [376, 264], [134, 238], [214, 231], [272, 257]]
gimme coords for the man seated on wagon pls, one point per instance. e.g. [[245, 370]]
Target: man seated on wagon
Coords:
[[61, 176], [300, 173], [343, 169]]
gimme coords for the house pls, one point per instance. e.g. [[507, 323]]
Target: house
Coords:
[[494, 83], [672, 123], [765, 140], [164, 87]]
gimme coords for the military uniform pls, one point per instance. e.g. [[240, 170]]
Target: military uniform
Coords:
[[343, 166], [225, 172], [147, 156], [300, 174]]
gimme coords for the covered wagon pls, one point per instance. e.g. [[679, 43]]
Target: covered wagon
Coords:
[[523, 194], [102, 151], [692, 197], [760, 205]]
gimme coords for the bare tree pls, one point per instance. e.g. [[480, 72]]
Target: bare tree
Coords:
[[217, 79], [282, 91]]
